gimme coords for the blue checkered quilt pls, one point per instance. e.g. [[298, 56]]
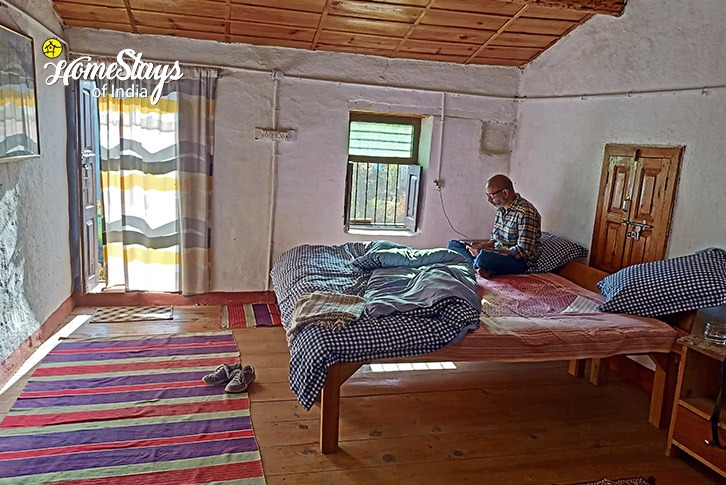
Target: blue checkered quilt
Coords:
[[308, 268]]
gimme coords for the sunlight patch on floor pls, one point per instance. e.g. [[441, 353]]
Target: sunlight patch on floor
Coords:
[[412, 366], [45, 348]]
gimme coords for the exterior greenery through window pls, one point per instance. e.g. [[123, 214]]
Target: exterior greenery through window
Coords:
[[383, 172]]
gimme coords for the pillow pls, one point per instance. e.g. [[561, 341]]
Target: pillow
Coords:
[[408, 257], [369, 260], [383, 244], [556, 251], [669, 286]]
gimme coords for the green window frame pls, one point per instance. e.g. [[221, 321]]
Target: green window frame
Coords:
[[382, 180]]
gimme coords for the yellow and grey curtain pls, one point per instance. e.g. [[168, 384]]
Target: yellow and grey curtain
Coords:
[[156, 171]]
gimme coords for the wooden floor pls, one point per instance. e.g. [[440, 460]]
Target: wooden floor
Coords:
[[484, 423]]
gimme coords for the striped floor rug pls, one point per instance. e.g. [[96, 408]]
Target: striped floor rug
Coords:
[[250, 315], [125, 410]]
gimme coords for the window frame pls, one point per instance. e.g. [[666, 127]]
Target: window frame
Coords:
[[410, 220], [415, 121]]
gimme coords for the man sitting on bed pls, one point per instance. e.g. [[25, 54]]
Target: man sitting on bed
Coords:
[[515, 242]]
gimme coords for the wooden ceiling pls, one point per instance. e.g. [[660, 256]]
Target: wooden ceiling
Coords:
[[494, 32]]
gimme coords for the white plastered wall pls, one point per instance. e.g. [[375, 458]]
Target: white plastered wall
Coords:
[[656, 45], [310, 170], [35, 275]]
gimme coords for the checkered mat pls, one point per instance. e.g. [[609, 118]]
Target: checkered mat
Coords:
[[250, 315], [131, 314]]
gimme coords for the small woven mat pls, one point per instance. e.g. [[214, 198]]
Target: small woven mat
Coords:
[[250, 315], [621, 481], [131, 314]]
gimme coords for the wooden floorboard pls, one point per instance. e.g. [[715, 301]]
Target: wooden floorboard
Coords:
[[490, 423]]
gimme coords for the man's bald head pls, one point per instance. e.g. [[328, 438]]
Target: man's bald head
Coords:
[[500, 191], [499, 182]]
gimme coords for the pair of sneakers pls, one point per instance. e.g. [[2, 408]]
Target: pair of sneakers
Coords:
[[237, 377]]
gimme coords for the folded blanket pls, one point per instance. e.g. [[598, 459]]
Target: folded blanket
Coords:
[[402, 289], [332, 310]]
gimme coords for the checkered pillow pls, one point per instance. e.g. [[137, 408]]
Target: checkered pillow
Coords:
[[669, 286], [556, 251]]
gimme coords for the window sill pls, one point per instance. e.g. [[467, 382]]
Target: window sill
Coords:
[[381, 232]]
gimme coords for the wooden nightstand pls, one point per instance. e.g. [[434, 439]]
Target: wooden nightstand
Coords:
[[699, 381]]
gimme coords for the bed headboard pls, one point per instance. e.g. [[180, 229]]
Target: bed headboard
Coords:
[[588, 277], [582, 274]]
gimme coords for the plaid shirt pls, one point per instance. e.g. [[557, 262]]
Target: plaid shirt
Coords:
[[518, 230]]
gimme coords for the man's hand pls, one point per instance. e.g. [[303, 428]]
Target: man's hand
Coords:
[[477, 245]]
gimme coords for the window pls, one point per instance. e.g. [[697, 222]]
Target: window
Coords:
[[383, 172]]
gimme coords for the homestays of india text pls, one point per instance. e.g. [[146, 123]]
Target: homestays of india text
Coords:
[[128, 65]]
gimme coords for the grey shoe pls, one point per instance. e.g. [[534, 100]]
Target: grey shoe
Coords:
[[241, 379], [221, 374]]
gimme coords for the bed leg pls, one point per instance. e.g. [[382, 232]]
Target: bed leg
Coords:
[[599, 370], [664, 388], [577, 367], [330, 411], [330, 405]]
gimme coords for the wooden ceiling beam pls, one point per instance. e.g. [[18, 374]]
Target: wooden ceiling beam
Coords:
[[496, 34], [418, 20], [326, 9], [607, 7], [132, 20], [227, 20]]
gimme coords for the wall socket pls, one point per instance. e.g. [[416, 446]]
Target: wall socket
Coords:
[[439, 184], [270, 134]]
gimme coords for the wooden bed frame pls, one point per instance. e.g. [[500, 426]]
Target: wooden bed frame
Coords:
[[661, 402]]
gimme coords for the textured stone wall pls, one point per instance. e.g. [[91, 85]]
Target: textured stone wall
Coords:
[[35, 274]]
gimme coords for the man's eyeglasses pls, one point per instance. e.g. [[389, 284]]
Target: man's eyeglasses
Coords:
[[491, 195]]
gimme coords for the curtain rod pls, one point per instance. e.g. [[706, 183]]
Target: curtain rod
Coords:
[[277, 74]]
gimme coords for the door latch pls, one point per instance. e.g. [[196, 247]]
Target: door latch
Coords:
[[635, 233]]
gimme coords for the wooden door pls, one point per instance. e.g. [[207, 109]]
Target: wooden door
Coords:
[[89, 196], [635, 205], [616, 187]]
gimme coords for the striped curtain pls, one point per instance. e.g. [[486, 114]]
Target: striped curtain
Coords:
[[18, 123], [156, 169]]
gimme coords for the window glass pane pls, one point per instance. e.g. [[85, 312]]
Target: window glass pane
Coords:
[[380, 139]]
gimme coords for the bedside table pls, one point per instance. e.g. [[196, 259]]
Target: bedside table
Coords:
[[699, 381]]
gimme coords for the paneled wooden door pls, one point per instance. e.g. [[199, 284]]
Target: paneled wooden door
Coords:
[[635, 205], [88, 140]]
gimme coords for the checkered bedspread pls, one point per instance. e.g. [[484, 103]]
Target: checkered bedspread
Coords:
[[309, 268]]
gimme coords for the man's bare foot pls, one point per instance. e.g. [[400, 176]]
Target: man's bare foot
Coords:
[[484, 273]]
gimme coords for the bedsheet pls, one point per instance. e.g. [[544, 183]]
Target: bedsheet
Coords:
[[544, 317]]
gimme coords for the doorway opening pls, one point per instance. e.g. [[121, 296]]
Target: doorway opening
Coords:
[[93, 235]]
